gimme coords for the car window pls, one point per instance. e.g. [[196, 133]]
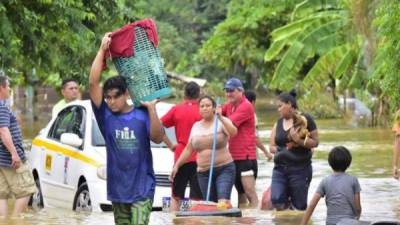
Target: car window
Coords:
[[97, 137], [69, 120]]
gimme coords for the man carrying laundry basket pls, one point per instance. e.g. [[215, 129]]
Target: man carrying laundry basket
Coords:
[[127, 131]]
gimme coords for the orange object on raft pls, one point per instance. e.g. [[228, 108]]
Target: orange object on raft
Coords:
[[211, 209]]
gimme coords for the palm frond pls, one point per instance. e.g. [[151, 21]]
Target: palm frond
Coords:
[[310, 6], [307, 46]]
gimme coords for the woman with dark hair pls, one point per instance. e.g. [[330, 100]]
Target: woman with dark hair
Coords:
[[201, 140], [292, 172]]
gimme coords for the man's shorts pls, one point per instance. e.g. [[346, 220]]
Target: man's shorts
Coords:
[[132, 214], [186, 173], [246, 167], [16, 182]]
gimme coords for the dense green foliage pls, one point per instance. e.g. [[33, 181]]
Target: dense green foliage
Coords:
[[238, 44], [348, 47], [59, 38], [182, 27], [386, 72], [320, 106], [331, 46], [43, 40]]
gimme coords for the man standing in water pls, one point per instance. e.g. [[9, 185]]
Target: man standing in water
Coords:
[[127, 132], [242, 146], [69, 91], [182, 117], [15, 174]]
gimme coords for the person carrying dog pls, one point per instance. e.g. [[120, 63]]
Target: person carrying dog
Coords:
[[292, 173]]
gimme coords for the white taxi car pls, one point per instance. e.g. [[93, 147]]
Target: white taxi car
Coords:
[[68, 160]]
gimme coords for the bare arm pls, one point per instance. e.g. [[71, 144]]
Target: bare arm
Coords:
[[6, 138], [169, 144], [227, 126], [310, 141], [156, 127], [272, 144], [396, 150], [261, 146], [357, 202], [96, 92], [184, 156], [182, 159], [310, 209]]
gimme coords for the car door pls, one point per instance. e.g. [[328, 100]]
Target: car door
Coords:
[[69, 120]]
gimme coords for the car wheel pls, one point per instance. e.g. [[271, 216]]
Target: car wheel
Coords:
[[82, 200], [36, 200]]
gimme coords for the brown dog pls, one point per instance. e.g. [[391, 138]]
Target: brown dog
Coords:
[[300, 125]]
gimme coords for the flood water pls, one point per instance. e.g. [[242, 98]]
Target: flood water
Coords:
[[371, 149]]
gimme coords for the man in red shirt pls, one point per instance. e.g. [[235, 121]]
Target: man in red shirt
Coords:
[[182, 117], [242, 146]]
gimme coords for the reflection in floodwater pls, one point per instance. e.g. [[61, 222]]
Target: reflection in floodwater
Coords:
[[371, 150]]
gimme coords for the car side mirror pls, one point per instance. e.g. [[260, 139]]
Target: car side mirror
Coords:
[[71, 139]]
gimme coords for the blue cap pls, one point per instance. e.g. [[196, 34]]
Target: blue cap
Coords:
[[233, 83]]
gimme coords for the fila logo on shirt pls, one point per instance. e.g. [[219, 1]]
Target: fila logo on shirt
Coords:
[[126, 140], [125, 134]]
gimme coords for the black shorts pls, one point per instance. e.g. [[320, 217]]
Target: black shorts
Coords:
[[186, 173], [247, 165]]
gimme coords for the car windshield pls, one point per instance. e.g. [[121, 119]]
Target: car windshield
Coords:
[[98, 140]]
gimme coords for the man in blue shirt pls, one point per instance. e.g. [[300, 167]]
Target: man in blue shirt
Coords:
[[127, 132], [16, 178]]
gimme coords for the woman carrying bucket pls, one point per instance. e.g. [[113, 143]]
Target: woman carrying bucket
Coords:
[[201, 140]]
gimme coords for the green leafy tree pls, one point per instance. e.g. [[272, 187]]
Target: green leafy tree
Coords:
[[182, 27], [386, 73], [44, 41], [54, 38], [58, 39], [321, 33], [238, 44], [328, 46]]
